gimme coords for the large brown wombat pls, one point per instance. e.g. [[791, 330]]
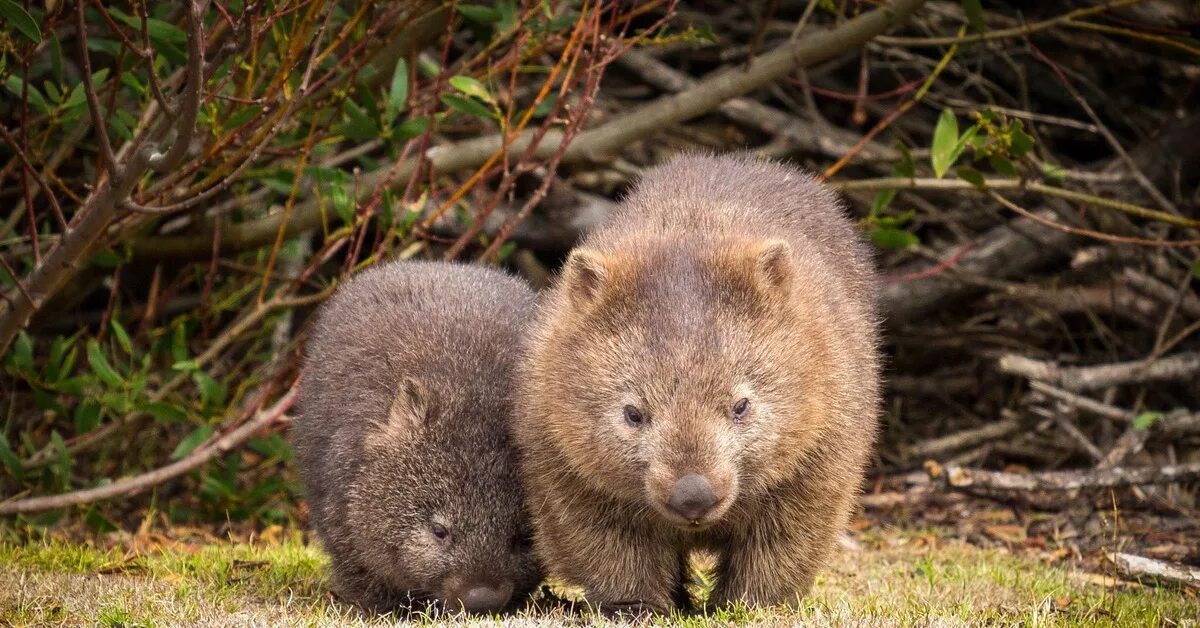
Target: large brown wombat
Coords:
[[703, 375], [402, 437]]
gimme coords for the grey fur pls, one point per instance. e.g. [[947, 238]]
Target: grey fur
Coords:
[[403, 422]]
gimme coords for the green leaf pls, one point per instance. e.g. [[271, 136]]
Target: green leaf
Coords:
[[472, 88], [505, 251], [358, 125], [1002, 165], [163, 412], [101, 366], [1053, 172], [398, 93], [479, 14], [1021, 142], [881, 202], [411, 128], [98, 522], [888, 238], [87, 416], [1196, 269], [974, 12], [466, 105], [122, 336], [1146, 420], [160, 32], [191, 442], [16, 16], [10, 459], [15, 86], [945, 139], [212, 392], [972, 176], [185, 365], [543, 108], [21, 357]]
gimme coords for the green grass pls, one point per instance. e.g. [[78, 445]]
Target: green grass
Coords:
[[284, 583]]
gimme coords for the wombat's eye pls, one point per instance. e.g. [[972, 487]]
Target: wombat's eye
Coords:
[[740, 408], [440, 532], [633, 416]]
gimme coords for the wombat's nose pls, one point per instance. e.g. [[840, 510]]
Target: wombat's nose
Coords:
[[483, 599], [692, 497]]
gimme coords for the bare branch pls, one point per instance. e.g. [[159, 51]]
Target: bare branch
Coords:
[[980, 479], [189, 98], [98, 120], [1179, 367]]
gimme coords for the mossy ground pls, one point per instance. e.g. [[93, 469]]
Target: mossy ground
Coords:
[[896, 579]]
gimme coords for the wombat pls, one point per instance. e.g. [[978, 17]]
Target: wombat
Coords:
[[703, 375], [402, 439]]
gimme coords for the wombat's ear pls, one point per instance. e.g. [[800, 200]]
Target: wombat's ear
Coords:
[[408, 413], [773, 265], [584, 275]]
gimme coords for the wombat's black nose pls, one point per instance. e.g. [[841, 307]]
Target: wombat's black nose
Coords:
[[691, 497], [484, 599]]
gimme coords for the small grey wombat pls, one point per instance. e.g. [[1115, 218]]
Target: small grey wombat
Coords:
[[402, 437]]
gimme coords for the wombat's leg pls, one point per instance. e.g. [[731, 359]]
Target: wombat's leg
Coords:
[[358, 586], [620, 570], [768, 567]]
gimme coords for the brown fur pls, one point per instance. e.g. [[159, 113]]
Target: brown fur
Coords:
[[718, 278], [403, 423]]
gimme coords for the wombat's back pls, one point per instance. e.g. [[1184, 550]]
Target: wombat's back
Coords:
[[738, 195], [438, 322]]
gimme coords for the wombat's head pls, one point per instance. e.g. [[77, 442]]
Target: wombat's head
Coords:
[[685, 374], [439, 505]]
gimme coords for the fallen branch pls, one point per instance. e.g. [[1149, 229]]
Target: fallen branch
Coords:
[[1133, 567], [234, 438], [980, 479], [1179, 367], [966, 438]]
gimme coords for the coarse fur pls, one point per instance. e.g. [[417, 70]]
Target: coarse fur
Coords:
[[404, 412], [719, 278]]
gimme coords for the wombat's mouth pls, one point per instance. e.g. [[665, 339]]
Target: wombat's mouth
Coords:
[[696, 524]]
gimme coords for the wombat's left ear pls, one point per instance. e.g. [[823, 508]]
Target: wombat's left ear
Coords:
[[408, 414], [584, 275], [773, 265]]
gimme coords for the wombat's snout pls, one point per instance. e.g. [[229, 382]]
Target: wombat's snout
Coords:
[[482, 598], [692, 497]]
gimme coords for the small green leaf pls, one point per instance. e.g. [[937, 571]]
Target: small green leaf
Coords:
[[17, 17], [1002, 165], [479, 14], [466, 105], [888, 238], [543, 108], [881, 202], [98, 522], [398, 93], [411, 128], [945, 139], [191, 442], [974, 12], [972, 176], [1053, 172], [22, 353], [122, 337], [212, 392], [1146, 420], [185, 365], [472, 88], [10, 459], [505, 251], [1196, 269], [1021, 142], [15, 87], [87, 416], [101, 366], [163, 412]]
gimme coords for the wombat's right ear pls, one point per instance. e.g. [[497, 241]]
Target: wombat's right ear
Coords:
[[408, 413], [584, 275]]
